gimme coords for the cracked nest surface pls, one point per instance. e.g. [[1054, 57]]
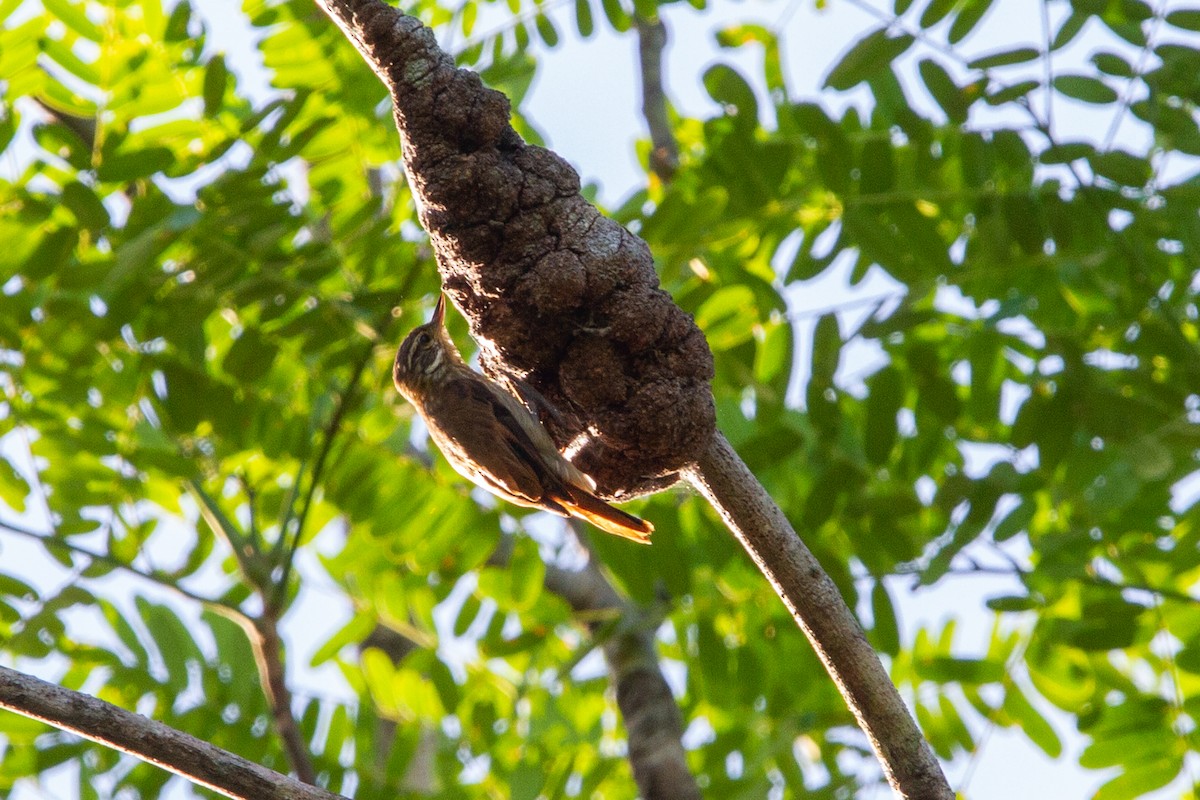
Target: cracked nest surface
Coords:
[[556, 294]]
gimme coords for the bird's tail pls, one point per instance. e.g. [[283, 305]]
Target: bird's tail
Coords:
[[585, 505]]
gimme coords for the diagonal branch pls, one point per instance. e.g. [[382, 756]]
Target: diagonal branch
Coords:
[[263, 633], [818, 608], [653, 724], [151, 741]]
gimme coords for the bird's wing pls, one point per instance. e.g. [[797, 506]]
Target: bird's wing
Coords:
[[507, 455]]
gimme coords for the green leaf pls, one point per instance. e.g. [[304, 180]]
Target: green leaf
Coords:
[[727, 317], [728, 88], [528, 574], [944, 90], [1070, 28], [947, 669], [172, 640], [1007, 94], [216, 79], [1016, 521], [250, 357], [617, 16], [1122, 167], [869, 56], [14, 587], [1085, 88], [826, 349], [1013, 604], [1005, 58], [121, 167], [885, 632], [1141, 779], [1035, 726], [967, 19], [74, 15], [1186, 18], [467, 613], [885, 398], [546, 30], [936, 11], [583, 18], [89, 211], [13, 486], [1113, 64]]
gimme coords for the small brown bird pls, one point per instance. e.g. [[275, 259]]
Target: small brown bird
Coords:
[[491, 438]]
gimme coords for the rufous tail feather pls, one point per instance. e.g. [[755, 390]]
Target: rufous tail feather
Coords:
[[588, 507]]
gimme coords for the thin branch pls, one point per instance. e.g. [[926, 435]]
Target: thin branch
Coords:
[[165, 581], [327, 438], [268, 653], [1047, 65], [149, 740], [664, 151], [1127, 95], [818, 608], [263, 633]]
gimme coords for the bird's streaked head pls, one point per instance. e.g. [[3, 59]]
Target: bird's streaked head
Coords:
[[426, 356]]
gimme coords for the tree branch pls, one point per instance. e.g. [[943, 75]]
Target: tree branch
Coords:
[[653, 724], [664, 151], [268, 653], [818, 608], [151, 741]]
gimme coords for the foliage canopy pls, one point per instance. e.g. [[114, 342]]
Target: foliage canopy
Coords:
[[201, 296]]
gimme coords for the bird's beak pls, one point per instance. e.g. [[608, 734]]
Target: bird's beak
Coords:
[[439, 311]]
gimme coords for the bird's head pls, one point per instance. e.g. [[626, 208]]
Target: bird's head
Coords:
[[426, 356]]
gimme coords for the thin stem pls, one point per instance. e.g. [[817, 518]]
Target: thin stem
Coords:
[[165, 581], [664, 151], [268, 653], [327, 438], [1047, 66], [1127, 95]]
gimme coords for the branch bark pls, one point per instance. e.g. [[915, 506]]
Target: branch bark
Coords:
[[818, 608], [151, 741], [653, 724], [664, 151], [268, 653]]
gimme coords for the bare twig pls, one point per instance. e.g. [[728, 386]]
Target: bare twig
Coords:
[[664, 151], [263, 633], [153, 742], [268, 653], [159, 579], [818, 608]]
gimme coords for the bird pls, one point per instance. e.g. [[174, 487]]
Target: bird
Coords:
[[492, 438]]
